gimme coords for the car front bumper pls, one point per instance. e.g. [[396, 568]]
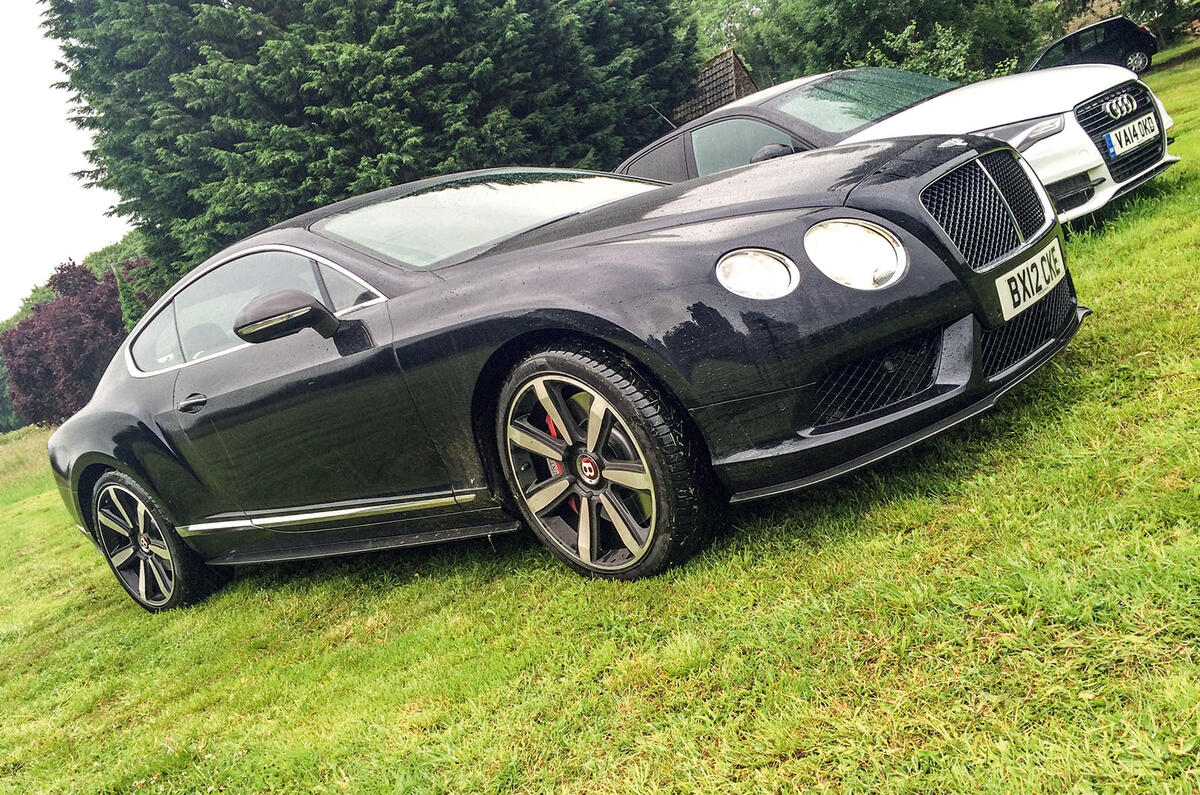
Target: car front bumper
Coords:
[[766, 445], [1077, 175]]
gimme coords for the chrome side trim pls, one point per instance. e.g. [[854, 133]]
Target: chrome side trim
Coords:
[[353, 513], [312, 517], [208, 527], [272, 321], [288, 249]]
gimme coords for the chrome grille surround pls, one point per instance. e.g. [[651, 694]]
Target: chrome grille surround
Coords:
[[989, 207]]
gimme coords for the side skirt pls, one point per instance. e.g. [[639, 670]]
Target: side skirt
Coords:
[[366, 545]]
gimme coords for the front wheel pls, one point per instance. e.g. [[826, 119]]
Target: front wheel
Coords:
[[142, 548], [602, 468], [1137, 61]]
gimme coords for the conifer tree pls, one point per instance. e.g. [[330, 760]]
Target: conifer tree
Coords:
[[213, 119]]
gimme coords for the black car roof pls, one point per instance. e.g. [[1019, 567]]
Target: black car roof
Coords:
[[305, 220]]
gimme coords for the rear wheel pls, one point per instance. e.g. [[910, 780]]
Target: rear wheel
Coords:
[[1137, 61], [142, 548], [602, 468]]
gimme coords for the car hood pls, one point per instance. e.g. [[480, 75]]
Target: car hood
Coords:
[[999, 101], [821, 178]]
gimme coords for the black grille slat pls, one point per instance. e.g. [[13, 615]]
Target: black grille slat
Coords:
[[1020, 337], [988, 207], [874, 382], [966, 205], [1096, 123], [1014, 184]]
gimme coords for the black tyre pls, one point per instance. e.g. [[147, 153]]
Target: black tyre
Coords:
[[1137, 61], [143, 550], [601, 467]]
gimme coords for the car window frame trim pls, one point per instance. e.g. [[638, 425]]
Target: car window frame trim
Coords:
[[285, 248]]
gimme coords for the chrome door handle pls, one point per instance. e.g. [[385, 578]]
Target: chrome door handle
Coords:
[[192, 403]]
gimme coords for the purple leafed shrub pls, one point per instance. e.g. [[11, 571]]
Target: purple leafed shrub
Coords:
[[56, 356]]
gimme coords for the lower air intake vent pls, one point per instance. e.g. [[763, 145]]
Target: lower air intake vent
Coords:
[[1017, 339], [874, 382]]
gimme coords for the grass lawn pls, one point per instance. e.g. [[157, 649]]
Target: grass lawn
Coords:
[[1014, 606]]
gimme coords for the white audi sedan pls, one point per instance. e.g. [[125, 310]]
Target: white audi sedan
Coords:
[[1090, 132]]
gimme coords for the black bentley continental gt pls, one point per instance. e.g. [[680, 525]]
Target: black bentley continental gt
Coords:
[[601, 358]]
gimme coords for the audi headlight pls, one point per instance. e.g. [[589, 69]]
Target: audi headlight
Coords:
[[757, 273], [856, 253], [1024, 134]]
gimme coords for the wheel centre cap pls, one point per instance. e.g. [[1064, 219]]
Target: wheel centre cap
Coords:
[[143, 542], [588, 469]]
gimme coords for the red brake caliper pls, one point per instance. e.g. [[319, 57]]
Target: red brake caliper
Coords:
[[573, 501]]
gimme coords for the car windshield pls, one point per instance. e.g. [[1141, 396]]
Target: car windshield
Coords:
[[442, 221], [845, 101]]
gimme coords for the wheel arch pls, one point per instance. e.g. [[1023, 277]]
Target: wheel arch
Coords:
[[88, 478], [94, 467], [90, 444], [485, 396]]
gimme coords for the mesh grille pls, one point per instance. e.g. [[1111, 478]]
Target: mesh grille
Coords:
[[1018, 191], [969, 209], [977, 207], [881, 379], [1018, 338], [1096, 123]]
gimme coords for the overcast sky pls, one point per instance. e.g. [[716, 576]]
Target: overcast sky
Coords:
[[49, 216]]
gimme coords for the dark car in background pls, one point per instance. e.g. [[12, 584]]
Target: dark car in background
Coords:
[[1117, 40], [605, 359]]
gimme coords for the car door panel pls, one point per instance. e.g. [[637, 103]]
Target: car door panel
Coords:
[[303, 420], [300, 422]]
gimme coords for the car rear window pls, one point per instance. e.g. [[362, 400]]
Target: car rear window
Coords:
[[664, 162], [157, 346], [844, 101]]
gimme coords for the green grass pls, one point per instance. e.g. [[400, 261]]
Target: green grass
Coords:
[[1014, 606]]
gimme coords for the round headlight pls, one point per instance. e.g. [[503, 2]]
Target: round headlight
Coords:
[[856, 253], [757, 273]]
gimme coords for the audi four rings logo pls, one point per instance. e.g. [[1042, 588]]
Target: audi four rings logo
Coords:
[[1120, 107]]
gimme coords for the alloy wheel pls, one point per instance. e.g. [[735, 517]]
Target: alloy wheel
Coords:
[[1137, 62], [581, 472], [134, 544]]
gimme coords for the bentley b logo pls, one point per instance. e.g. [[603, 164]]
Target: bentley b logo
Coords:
[[589, 470], [1120, 106]]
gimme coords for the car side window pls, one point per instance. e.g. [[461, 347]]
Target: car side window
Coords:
[[665, 162], [731, 143], [1054, 56], [344, 291], [157, 346], [205, 310], [1090, 39]]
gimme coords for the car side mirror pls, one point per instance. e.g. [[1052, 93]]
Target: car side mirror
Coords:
[[281, 313], [772, 151]]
